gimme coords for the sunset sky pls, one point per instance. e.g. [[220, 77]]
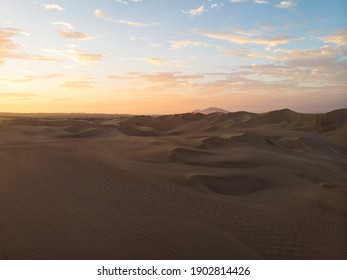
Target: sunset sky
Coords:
[[172, 56]]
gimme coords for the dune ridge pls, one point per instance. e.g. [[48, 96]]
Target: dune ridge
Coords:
[[225, 185]]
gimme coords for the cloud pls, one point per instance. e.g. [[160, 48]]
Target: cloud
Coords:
[[102, 15], [270, 41], [53, 7], [326, 61], [6, 40], [77, 84], [281, 73], [186, 43], [128, 1], [217, 5], [255, 1], [248, 33], [317, 67], [201, 84], [76, 55], [179, 64], [158, 61], [17, 95], [266, 27], [154, 60], [286, 4], [196, 12], [311, 54], [31, 78], [75, 35], [249, 54], [65, 25], [84, 57], [25, 56], [136, 24], [8, 47], [339, 38], [261, 2], [161, 81], [325, 66]]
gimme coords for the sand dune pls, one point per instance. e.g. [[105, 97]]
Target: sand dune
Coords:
[[312, 122], [190, 186]]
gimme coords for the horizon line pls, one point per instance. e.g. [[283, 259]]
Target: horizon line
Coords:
[[164, 114]]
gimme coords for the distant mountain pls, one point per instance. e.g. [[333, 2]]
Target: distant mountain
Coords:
[[211, 110]]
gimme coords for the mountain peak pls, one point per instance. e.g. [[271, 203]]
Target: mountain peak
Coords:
[[211, 110]]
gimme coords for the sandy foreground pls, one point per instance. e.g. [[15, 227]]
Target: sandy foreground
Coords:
[[192, 186]]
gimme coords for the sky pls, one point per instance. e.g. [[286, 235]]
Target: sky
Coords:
[[172, 56]]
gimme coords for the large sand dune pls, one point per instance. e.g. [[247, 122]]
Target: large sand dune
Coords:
[[190, 186]]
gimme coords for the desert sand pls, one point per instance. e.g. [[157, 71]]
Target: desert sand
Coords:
[[189, 186]]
